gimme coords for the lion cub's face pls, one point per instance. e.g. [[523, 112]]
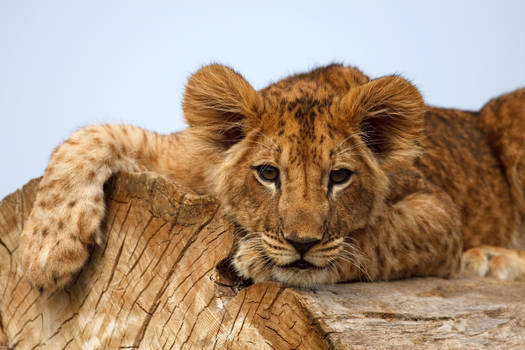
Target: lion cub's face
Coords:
[[297, 185], [302, 166]]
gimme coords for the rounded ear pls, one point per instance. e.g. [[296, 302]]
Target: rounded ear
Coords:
[[219, 105], [389, 115]]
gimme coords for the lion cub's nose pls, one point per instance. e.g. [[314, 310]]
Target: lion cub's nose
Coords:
[[301, 244]]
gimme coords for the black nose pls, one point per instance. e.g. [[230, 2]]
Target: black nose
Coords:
[[302, 244]]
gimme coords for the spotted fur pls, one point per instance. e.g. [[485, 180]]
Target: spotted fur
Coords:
[[423, 183]]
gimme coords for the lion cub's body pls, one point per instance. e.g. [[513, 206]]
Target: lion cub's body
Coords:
[[461, 159], [328, 176]]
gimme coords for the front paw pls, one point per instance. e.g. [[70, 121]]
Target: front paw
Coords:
[[497, 262], [54, 243]]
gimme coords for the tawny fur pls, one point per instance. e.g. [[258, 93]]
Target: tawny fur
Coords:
[[425, 185]]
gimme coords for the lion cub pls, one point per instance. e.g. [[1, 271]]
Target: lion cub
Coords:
[[329, 175]]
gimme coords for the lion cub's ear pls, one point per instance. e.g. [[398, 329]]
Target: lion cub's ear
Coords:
[[220, 105], [389, 114]]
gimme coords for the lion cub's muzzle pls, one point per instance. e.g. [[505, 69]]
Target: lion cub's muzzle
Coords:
[[306, 252], [302, 245]]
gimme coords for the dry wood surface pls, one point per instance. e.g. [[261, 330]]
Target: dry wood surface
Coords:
[[154, 285]]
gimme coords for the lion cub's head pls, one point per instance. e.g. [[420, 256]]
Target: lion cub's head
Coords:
[[303, 163]]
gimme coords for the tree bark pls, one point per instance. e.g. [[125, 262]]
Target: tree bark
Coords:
[[155, 285]]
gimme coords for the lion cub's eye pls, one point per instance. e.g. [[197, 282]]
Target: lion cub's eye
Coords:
[[267, 172], [340, 176]]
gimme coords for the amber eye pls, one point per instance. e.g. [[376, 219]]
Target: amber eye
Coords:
[[340, 176], [267, 172]]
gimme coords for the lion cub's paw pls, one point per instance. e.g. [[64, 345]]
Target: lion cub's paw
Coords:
[[500, 263], [55, 240]]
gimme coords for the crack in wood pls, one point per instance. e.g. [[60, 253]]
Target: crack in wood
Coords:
[[167, 281], [119, 253], [67, 344], [5, 246], [278, 334], [244, 292], [152, 277], [61, 325], [139, 239], [110, 228], [219, 329], [29, 306], [14, 311], [256, 312], [404, 317], [196, 320], [277, 295], [15, 336]]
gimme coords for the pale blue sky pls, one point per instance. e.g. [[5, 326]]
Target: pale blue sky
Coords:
[[67, 64]]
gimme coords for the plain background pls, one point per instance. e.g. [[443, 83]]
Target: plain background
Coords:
[[67, 64]]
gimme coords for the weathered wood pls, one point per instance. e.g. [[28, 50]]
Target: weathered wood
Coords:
[[154, 285]]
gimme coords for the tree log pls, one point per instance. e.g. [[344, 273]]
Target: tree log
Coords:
[[155, 285]]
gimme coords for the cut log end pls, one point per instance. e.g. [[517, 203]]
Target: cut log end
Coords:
[[162, 281]]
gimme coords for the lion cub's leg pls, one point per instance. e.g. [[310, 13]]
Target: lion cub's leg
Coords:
[[503, 121], [70, 206], [419, 236], [501, 263]]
